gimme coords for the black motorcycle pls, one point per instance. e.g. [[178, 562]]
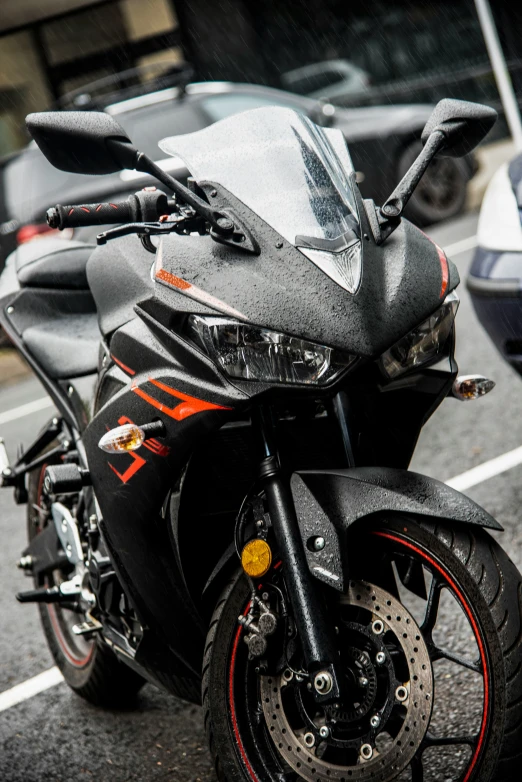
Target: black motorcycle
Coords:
[[222, 505]]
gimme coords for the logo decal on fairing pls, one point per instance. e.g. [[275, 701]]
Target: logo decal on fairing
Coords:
[[138, 461], [189, 405]]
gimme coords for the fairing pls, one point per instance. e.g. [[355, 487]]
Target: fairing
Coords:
[[318, 274]]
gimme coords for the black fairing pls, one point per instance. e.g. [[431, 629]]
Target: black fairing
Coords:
[[119, 276], [328, 502], [283, 290]]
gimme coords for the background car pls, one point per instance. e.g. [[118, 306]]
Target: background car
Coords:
[[383, 141], [495, 278], [329, 79]]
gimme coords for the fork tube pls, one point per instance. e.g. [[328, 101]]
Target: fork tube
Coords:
[[342, 413], [319, 647]]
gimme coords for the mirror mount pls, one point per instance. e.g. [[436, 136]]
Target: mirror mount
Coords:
[[396, 203], [454, 129]]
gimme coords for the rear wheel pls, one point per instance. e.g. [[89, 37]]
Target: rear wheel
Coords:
[[89, 667], [431, 640]]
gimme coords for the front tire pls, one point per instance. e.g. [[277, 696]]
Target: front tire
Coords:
[[461, 563]]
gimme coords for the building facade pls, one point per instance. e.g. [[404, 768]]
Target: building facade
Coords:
[[405, 50]]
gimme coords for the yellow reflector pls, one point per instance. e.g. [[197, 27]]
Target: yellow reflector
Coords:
[[256, 558], [122, 439]]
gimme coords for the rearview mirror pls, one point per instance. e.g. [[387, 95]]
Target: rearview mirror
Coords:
[[462, 123], [82, 142]]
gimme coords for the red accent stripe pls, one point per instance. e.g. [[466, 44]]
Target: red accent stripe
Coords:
[[188, 406], [84, 209], [444, 270], [137, 464], [114, 206], [76, 661], [125, 368], [478, 637], [70, 212], [232, 703]]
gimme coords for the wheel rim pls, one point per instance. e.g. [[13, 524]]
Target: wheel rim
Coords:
[[259, 753]]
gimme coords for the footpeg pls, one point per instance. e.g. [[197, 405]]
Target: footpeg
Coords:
[[66, 592], [90, 625]]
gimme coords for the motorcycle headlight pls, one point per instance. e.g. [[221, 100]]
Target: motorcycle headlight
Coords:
[[424, 343], [252, 353]]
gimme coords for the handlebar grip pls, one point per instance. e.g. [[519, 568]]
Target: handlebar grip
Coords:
[[79, 215]]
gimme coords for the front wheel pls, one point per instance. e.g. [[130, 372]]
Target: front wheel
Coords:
[[430, 637]]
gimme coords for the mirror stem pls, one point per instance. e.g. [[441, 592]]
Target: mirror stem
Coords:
[[219, 222], [396, 203]]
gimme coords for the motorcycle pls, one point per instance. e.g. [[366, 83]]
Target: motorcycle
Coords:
[[222, 504]]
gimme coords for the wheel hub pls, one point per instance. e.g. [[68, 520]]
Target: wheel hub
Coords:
[[374, 736]]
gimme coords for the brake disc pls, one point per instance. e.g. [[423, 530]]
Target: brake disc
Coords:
[[389, 758]]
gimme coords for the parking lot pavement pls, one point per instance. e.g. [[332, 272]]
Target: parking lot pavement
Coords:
[[55, 736]]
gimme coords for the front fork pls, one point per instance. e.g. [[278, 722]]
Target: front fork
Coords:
[[318, 640]]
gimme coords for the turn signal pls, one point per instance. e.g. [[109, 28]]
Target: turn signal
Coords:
[[124, 438], [256, 558], [468, 387]]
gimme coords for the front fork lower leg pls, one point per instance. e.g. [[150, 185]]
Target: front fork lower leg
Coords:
[[320, 651]]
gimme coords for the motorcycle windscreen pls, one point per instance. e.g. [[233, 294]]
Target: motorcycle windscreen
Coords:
[[296, 176]]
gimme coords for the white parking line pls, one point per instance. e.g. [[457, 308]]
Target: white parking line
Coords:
[[462, 246], [483, 472], [21, 692], [27, 409]]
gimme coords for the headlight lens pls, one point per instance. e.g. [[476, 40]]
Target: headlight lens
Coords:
[[251, 353], [424, 342]]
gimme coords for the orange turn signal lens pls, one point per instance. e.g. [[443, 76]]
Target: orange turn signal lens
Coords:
[[256, 558], [469, 387], [124, 438]]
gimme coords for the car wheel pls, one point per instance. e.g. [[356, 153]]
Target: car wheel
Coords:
[[441, 193]]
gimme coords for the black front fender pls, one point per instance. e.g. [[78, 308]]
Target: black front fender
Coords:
[[330, 501]]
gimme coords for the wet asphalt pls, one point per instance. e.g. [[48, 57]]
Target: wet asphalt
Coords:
[[56, 736]]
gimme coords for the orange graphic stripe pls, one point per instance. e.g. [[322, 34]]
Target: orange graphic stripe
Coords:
[[188, 406], [125, 368], [136, 465], [445, 271], [171, 279]]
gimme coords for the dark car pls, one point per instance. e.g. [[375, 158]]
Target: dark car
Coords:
[[383, 142], [495, 278]]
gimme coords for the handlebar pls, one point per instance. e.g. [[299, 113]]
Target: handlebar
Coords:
[[144, 206]]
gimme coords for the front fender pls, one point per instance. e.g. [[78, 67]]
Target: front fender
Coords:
[[328, 502]]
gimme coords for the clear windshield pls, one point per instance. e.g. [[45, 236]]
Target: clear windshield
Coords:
[[292, 173]]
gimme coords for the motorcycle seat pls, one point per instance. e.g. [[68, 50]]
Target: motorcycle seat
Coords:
[[53, 263], [65, 347]]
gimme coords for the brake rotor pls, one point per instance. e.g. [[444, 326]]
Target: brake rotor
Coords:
[[416, 698]]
